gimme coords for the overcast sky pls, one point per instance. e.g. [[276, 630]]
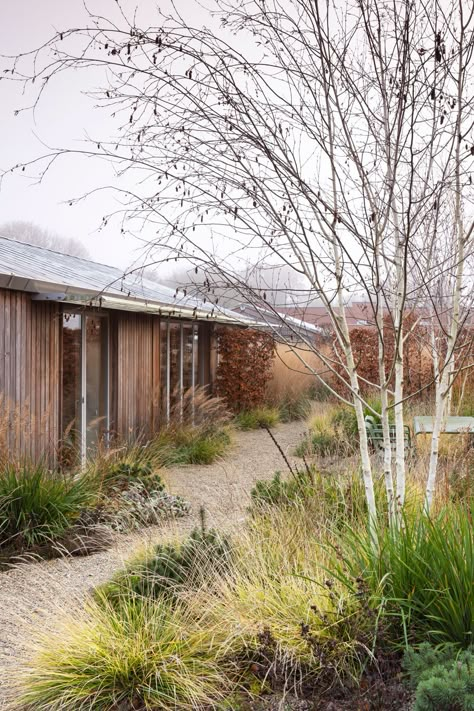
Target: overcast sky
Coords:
[[65, 116]]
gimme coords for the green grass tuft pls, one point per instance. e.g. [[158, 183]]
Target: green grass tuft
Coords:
[[139, 654], [37, 507], [424, 574], [257, 418]]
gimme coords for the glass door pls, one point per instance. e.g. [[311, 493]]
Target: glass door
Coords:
[[85, 385], [96, 380], [71, 443], [179, 365]]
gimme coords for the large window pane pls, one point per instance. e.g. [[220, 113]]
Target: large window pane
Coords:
[[71, 385], [188, 340], [96, 379], [164, 371], [175, 363]]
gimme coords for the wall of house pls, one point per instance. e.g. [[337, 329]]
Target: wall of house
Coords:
[[31, 373], [30, 360], [135, 363]]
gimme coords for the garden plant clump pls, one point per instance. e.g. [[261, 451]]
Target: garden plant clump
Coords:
[[259, 417], [167, 569], [441, 677], [140, 505], [42, 511]]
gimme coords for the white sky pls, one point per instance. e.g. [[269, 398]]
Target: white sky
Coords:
[[64, 117]]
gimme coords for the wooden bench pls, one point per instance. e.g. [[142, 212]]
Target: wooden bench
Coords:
[[375, 434]]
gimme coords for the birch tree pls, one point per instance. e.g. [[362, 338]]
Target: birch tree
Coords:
[[317, 137]]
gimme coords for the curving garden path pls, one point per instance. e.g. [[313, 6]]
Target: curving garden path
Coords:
[[33, 595]]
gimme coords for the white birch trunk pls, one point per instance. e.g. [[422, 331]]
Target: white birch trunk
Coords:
[[387, 445]]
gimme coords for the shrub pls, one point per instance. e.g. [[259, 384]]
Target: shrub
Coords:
[[424, 571], [417, 365], [278, 491], [167, 568], [244, 369], [139, 654], [142, 505], [37, 507], [257, 418], [443, 678]]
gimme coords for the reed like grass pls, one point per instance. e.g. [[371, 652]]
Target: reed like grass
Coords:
[[423, 572]]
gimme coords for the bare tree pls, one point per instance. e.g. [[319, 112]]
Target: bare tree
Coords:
[[23, 231], [316, 137]]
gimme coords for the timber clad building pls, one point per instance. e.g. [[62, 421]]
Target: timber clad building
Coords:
[[85, 350]]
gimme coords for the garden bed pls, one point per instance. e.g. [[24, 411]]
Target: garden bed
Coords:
[[34, 595]]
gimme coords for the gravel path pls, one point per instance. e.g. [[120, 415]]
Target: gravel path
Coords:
[[33, 595]]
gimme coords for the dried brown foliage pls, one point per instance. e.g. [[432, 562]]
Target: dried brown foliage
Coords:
[[245, 367], [418, 366]]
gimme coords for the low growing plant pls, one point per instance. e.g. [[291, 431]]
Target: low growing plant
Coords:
[[259, 417], [294, 406], [279, 491], [170, 567], [140, 504], [190, 445], [141, 653], [441, 677], [37, 507], [321, 444]]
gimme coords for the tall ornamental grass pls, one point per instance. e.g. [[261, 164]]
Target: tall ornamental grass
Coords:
[[423, 574]]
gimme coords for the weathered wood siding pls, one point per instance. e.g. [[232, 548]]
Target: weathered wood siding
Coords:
[[137, 369], [29, 375]]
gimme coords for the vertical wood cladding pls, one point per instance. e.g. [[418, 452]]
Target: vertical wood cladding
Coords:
[[137, 373], [29, 374]]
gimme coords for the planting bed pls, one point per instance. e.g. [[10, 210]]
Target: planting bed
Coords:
[[31, 595]]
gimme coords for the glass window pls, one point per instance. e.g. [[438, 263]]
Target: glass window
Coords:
[[71, 386], [179, 363], [164, 385], [188, 342], [96, 379], [174, 363]]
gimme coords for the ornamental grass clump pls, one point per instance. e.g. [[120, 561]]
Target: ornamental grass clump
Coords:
[[169, 568], [38, 507], [285, 618], [140, 654], [423, 571], [257, 418]]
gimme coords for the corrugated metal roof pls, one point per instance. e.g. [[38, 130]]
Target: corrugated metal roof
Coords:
[[28, 267]]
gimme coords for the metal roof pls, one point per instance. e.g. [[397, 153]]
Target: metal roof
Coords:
[[279, 322], [28, 267]]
